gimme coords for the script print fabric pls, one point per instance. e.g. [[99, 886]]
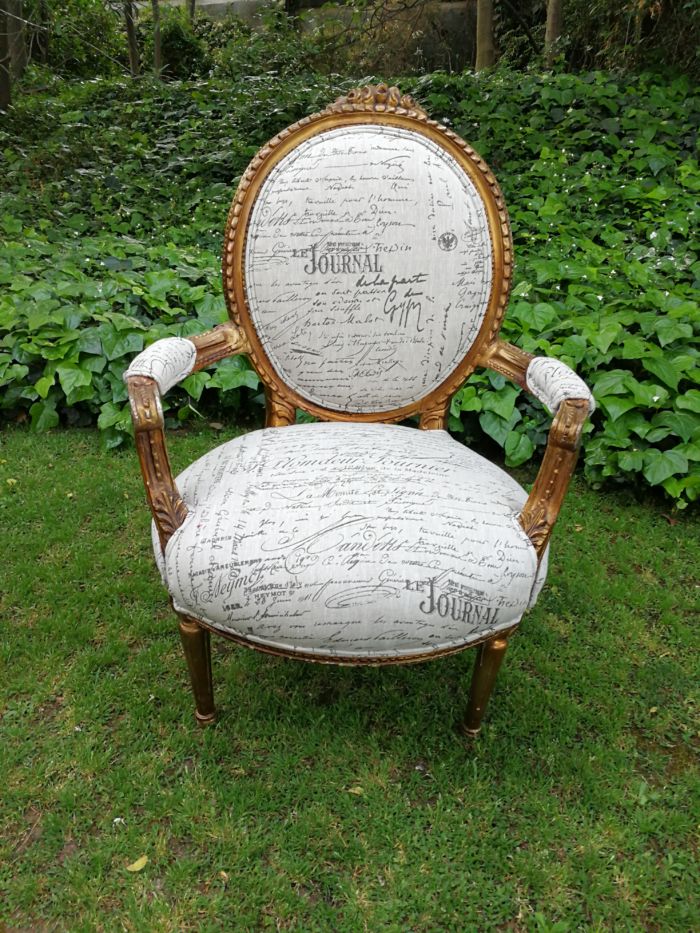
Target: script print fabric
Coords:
[[551, 382], [168, 361], [351, 541], [368, 267]]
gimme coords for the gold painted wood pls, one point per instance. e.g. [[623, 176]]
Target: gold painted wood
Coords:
[[433, 419], [508, 360], [487, 663], [218, 343], [167, 507], [376, 104], [196, 643], [278, 411], [541, 510], [377, 97], [166, 504]]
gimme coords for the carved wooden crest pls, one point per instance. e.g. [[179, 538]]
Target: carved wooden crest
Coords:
[[376, 97]]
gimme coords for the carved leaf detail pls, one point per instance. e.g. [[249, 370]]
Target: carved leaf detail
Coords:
[[169, 509]]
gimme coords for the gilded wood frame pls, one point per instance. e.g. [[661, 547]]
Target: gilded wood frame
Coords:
[[378, 104]]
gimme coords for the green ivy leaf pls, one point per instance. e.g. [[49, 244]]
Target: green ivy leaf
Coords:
[[659, 465], [614, 406], [614, 382], [631, 460], [668, 330], [44, 385], [43, 415], [648, 395], [116, 344], [690, 401], [691, 450], [502, 402], [519, 448], [111, 415], [195, 384], [466, 399], [684, 424], [664, 369], [497, 427], [233, 373], [71, 375]]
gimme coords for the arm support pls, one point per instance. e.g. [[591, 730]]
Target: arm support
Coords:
[[560, 389], [150, 375]]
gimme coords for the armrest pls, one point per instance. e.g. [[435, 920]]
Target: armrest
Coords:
[[561, 390], [150, 375]]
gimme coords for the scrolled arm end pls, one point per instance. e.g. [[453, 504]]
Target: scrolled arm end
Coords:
[[144, 399]]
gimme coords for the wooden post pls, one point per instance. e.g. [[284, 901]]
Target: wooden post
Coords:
[[553, 31], [485, 49], [5, 71]]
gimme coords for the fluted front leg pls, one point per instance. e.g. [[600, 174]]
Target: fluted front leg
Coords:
[[196, 643], [488, 661]]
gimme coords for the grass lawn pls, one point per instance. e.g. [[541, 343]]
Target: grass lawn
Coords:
[[332, 798]]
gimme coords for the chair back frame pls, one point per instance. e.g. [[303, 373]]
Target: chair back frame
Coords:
[[366, 106]]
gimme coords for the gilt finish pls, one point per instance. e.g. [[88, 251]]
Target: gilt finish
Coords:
[[165, 502], [541, 510], [367, 105], [218, 343], [489, 657], [167, 507], [197, 647]]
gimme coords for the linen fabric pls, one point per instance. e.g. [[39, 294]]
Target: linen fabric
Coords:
[[551, 382], [351, 541], [368, 267], [167, 361]]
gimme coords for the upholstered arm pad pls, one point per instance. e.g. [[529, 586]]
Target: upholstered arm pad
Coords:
[[552, 382], [168, 361]]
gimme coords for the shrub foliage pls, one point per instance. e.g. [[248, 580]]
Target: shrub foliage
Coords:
[[115, 198]]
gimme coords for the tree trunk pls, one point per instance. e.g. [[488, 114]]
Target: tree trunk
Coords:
[[157, 53], [134, 57], [16, 38], [5, 76], [40, 39], [553, 32], [190, 9], [485, 49]]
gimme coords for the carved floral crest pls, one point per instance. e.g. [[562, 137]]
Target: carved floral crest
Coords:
[[378, 97]]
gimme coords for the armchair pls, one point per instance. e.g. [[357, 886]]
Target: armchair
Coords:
[[367, 263]]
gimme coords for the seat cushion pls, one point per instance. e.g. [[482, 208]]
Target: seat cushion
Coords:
[[351, 541]]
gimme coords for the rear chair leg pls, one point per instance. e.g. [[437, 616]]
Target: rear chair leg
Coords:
[[489, 656], [196, 642]]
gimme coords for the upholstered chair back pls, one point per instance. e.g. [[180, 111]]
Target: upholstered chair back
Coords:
[[368, 258]]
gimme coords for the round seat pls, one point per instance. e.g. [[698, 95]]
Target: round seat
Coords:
[[346, 541]]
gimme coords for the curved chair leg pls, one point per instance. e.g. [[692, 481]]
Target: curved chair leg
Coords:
[[196, 642], [488, 660]]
